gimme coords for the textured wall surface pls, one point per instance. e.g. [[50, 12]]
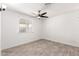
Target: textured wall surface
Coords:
[[10, 29], [63, 28]]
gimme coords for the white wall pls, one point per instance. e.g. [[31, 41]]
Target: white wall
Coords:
[[63, 28], [10, 27], [0, 33]]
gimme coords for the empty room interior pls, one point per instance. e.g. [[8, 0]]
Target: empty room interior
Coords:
[[39, 29]]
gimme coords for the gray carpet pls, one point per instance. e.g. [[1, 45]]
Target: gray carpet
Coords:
[[42, 48]]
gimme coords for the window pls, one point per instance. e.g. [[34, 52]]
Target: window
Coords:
[[24, 26]]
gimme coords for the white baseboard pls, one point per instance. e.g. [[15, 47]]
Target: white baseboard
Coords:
[[68, 42]]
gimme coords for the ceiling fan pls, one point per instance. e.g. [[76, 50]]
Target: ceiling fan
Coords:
[[40, 15]]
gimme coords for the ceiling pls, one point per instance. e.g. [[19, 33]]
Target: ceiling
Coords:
[[52, 9], [60, 8], [26, 8]]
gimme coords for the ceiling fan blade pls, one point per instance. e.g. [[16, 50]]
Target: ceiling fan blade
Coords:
[[43, 13], [45, 16], [34, 13]]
